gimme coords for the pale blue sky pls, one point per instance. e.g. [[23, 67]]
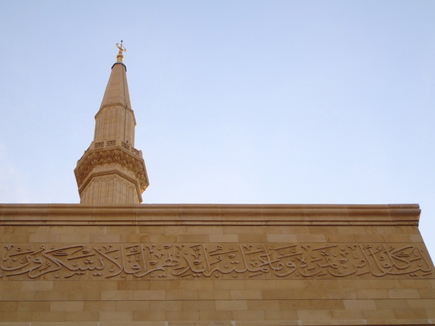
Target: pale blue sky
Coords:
[[236, 101]]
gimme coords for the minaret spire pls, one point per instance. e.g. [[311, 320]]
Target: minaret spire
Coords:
[[112, 171]]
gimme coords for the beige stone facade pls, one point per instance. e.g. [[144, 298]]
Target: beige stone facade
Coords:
[[110, 261], [214, 265]]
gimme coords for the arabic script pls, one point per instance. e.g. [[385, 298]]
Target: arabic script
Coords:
[[216, 260]]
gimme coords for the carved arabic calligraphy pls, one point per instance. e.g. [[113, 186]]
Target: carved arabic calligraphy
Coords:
[[224, 260]]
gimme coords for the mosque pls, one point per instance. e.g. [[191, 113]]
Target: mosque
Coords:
[[111, 260]]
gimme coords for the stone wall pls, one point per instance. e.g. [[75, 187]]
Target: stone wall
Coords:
[[214, 265]]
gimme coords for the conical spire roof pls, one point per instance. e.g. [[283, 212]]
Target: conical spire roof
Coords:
[[117, 88]]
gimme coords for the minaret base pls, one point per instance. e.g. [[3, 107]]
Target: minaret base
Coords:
[[110, 189]]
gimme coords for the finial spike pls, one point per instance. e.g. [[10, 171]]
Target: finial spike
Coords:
[[121, 48]]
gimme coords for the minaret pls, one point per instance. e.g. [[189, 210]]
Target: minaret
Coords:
[[112, 171]]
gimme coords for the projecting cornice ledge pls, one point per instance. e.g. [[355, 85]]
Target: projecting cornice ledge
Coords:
[[213, 214]]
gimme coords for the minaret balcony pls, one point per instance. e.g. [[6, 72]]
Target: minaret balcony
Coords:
[[110, 153], [111, 143]]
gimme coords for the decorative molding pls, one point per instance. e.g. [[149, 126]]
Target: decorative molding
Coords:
[[99, 145], [214, 260], [112, 153], [117, 104], [216, 215]]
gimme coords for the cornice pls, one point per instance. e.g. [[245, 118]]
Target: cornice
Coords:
[[210, 214]]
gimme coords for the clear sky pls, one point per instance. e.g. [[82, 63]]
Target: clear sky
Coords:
[[236, 101]]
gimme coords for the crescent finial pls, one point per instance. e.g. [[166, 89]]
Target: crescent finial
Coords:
[[121, 48]]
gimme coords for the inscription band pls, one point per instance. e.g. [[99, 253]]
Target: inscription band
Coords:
[[213, 260]]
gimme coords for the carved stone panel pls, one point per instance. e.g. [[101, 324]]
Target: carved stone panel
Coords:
[[214, 260]]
